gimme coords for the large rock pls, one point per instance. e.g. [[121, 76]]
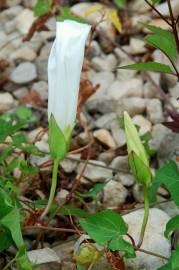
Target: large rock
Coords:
[[154, 239], [24, 73]]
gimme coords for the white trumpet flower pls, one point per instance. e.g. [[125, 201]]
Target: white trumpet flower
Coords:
[[64, 69]]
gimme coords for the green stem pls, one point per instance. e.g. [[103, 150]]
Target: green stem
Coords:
[[146, 216], [53, 188]]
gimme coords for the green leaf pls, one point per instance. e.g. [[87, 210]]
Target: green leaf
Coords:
[[106, 228], [171, 226], [66, 14], [163, 44], [42, 7], [26, 169], [93, 192], [24, 113], [5, 240], [79, 267], [5, 129], [120, 3], [12, 222], [57, 143], [161, 32], [155, 1], [168, 175], [22, 260], [173, 263], [149, 66], [68, 209], [6, 203]]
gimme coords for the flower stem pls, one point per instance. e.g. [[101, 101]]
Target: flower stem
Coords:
[[146, 216], [53, 188]]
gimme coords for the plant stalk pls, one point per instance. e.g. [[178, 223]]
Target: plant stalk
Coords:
[[52, 190], [146, 216]]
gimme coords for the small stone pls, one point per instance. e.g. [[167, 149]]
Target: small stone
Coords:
[[42, 89], [43, 146], [23, 53], [107, 63], [107, 156], [94, 49], [114, 194], [139, 6], [45, 258], [20, 92], [144, 125], [137, 45], [150, 91], [70, 165], [61, 196], [3, 38], [126, 179], [118, 134], [121, 89], [12, 3], [24, 73], [125, 74], [154, 239], [9, 27], [104, 137], [97, 172], [133, 105], [120, 163], [154, 111], [6, 102], [24, 21], [105, 120]]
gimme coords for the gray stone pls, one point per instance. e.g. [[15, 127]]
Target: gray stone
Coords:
[[45, 258], [133, 105], [154, 111], [105, 120], [163, 8], [68, 164], [125, 74], [115, 194], [165, 142], [143, 124], [41, 69], [9, 27], [24, 73], [94, 49], [150, 91], [95, 173], [122, 89], [126, 179], [120, 163], [107, 63], [154, 239], [118, 134]]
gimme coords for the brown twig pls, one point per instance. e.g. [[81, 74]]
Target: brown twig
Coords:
[[158, 12], [173, 24], [46, 228]]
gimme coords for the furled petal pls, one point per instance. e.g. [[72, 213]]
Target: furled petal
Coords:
[[64, 69]]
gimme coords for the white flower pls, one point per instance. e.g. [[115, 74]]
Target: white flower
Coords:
[[64, 69]]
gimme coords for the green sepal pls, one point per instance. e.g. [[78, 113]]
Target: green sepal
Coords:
[[57, 143], [140, 170]]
